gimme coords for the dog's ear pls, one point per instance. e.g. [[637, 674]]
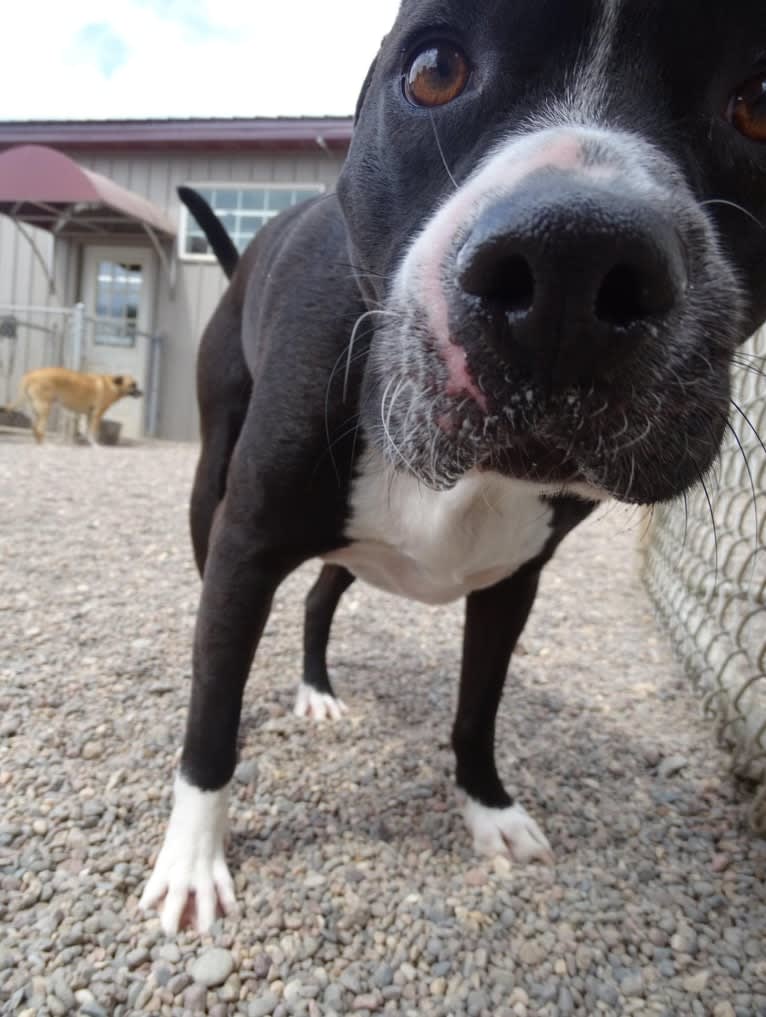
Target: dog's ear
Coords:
[[118, 380], [366, 85]]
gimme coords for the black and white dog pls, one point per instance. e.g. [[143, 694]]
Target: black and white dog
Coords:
[[525, 298]]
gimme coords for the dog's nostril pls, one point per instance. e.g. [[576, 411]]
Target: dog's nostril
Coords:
[[515, 284], [506, 282], [629, 294]]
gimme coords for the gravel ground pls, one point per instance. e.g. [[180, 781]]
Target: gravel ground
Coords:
[[359, 891]]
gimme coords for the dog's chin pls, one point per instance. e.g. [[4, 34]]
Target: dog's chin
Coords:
[[572, 443]]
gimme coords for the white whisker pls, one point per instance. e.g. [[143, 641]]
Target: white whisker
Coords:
[[352, 340]]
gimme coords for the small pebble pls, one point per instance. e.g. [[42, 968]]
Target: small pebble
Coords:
[[212, 967], [195, 998], [135, 958], [671, 766], [247, 771], [697, 983], [366, 1002], [262, 1005], [178, 983], [169, 952]]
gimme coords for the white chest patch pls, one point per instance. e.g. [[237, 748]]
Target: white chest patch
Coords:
[[437, 546]]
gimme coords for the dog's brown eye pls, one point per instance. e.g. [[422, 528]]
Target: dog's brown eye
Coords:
[[747, 110], [436, 75]]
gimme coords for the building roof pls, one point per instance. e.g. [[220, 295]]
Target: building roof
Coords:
[[45, 188], [333, 133]]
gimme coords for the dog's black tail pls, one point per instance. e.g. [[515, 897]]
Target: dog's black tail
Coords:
[[211, 226]]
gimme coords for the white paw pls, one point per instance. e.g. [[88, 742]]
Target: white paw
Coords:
[[510, 831], [190, 871], [318, 705]]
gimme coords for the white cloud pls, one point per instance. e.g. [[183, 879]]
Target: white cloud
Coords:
[[193, 58]]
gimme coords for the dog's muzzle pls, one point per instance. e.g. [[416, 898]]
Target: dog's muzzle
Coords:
[[574, 325]]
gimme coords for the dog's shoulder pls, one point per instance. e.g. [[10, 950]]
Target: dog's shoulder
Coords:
[[298, 285], [294, 234]]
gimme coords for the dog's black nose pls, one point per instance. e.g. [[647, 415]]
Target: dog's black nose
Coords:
[[570, 276]]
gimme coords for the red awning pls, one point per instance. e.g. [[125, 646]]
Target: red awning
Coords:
[[44, 188]]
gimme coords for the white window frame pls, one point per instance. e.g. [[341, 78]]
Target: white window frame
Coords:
[[251, 185]]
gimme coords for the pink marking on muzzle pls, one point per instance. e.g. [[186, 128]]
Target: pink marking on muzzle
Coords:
[[500, 175], [460, 379]]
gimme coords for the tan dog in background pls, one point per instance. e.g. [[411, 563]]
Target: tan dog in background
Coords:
[[77, 391]]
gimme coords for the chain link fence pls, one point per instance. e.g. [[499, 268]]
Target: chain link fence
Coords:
[[708, 580]]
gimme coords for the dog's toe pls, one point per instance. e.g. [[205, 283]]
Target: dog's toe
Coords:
[[189, 900], [510, 831], [314, 705], [191, 872]]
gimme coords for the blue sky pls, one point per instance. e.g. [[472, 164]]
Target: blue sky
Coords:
[[165, 58]]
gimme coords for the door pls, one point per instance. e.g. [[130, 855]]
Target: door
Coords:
[[118, 293]]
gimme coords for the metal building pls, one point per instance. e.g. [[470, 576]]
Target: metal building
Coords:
[[101, 267]]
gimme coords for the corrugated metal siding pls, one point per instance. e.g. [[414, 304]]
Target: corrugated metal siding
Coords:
[[22, 280], [199, 286]]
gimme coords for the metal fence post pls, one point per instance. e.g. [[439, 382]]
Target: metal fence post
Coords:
[[153, 385], [77, 335]]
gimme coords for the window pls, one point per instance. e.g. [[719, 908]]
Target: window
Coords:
[[118, 291], [242, 211]]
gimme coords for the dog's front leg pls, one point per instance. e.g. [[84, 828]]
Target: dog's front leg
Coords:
[[239, 584], [495, 618], [94, 424]]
